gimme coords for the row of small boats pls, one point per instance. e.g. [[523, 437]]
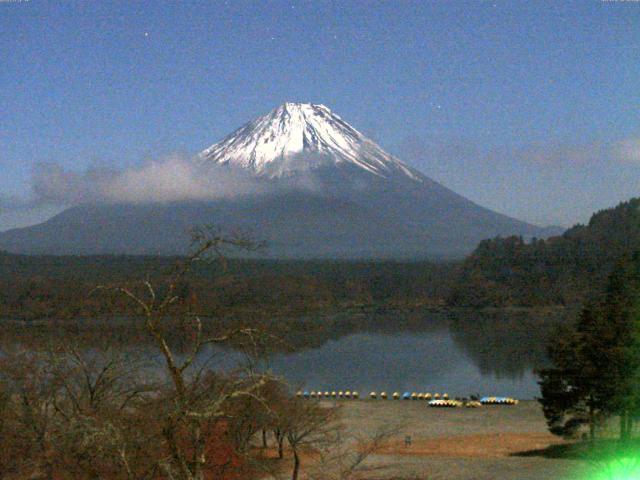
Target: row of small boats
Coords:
[[498, 401], [327, 394], [435, 400]]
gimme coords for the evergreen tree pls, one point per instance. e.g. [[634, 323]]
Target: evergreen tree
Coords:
[[596, 366], [572, 389], [619, 340]]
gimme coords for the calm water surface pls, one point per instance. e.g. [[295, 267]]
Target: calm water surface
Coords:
[[460, 354], [427, 362], [457, 353]]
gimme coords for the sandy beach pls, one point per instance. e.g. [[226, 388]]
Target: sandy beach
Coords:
[[464, 444]]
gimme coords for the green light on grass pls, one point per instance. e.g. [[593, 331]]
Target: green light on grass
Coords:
[[624, 468]]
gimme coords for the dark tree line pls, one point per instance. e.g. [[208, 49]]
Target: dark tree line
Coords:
[[565, 270], [46, 288], [596, 365]]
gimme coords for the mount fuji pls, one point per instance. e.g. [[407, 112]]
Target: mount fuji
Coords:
[[299, 137], [323, 190]]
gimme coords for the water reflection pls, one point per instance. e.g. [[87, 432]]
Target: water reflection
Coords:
[[461, 353]]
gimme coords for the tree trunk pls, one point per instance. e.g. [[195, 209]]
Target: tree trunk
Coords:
[[179, 460], [199, 459], [592, 423], [48, 468], [264, 438], [280, 440], [296, 465], [624, 425]]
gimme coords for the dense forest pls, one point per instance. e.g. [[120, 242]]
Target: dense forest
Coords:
[[562, 270], [501, 272], [58, 287]]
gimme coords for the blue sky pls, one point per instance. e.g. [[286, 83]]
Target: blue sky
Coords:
[[529, 108]]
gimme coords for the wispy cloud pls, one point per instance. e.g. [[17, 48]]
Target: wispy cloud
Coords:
[[173, 178], [562, 154], [544, 183], [627, 150], [541, 154]]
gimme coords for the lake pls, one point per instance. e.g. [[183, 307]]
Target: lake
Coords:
[[457, 353], [460, 353]]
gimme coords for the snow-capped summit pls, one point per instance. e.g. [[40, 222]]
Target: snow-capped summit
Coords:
[[302, 136], [358, 202]]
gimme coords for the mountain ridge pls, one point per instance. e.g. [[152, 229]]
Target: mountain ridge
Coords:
[[325, 191]]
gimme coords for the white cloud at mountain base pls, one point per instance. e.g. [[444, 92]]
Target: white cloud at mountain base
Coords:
[[170, 179]]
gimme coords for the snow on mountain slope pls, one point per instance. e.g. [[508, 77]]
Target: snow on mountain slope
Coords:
[[319, 189], [299, 137]]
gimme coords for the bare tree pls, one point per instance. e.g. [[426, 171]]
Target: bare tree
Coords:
[[30, 392], [102, 421], [276, 415], [96, 413], [345, 457], [306, 424], [98, 380], [194, 403], [67, 413]]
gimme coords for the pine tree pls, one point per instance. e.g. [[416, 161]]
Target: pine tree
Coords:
[[596, 366]]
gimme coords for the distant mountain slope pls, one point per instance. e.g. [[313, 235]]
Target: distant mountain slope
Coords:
[[566, 269], [326, 190]]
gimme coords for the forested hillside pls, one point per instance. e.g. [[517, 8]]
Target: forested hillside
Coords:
[[562, 270], [48, 287]]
